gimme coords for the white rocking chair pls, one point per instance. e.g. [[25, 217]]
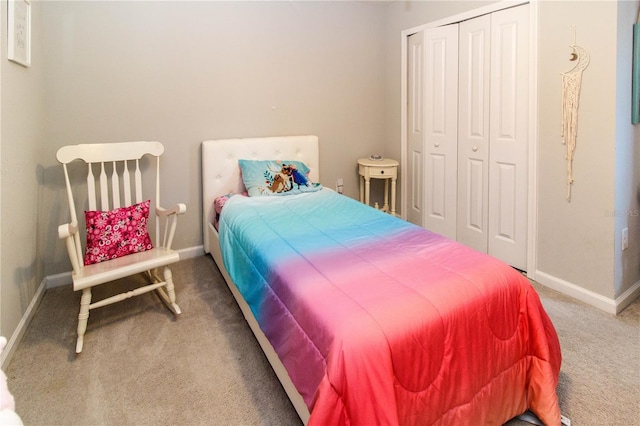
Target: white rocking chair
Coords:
[[118, 173]]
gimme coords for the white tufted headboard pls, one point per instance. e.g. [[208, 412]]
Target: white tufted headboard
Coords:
[[221, 174]]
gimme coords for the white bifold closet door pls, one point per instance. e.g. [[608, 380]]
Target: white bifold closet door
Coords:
[[441, 129], [475, 133], [415, 128], [473, 125], [509, 136]]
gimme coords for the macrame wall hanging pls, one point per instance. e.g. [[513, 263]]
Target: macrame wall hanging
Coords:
[[571, 82]]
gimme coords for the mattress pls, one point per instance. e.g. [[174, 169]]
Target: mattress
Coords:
[[378, 321]]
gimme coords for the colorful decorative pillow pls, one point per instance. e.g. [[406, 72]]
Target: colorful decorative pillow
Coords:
[[117, 233], [274, 177]]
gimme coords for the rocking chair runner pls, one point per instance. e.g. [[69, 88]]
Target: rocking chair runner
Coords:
[[118, 170]]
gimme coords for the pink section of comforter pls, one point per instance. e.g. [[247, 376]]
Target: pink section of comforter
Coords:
[[402, 328]]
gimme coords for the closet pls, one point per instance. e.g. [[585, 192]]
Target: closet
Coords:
[[467, 132]]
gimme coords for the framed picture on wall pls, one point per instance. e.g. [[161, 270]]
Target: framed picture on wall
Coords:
[[19, 32]]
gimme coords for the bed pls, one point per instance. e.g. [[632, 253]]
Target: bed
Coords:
[[366, 318]]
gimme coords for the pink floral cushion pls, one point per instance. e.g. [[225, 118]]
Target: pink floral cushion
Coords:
[[117, 233]]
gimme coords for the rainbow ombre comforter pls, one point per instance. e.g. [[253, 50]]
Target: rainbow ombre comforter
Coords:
[[378, 321]]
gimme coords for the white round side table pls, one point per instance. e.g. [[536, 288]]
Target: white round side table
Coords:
[[386, 169]]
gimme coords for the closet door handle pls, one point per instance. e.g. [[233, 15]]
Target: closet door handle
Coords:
[[437, 144], [475, 148]]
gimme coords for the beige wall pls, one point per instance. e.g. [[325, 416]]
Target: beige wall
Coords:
[[22, 137], [178, 72], [183, 72], [580, 241], [575, 241]]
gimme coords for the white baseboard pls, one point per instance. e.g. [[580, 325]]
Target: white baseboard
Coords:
[[611, 306], [191, 252], [57, 280], [627, 297], [16, 337]]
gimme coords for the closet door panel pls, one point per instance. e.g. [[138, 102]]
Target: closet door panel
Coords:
[[509, 135], [441, 128], [416, 189], [476, 193], [415, 130], [438, 182], [473, 132], [506, 198]]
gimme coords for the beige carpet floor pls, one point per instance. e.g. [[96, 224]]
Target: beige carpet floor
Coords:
[[142, 366]]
